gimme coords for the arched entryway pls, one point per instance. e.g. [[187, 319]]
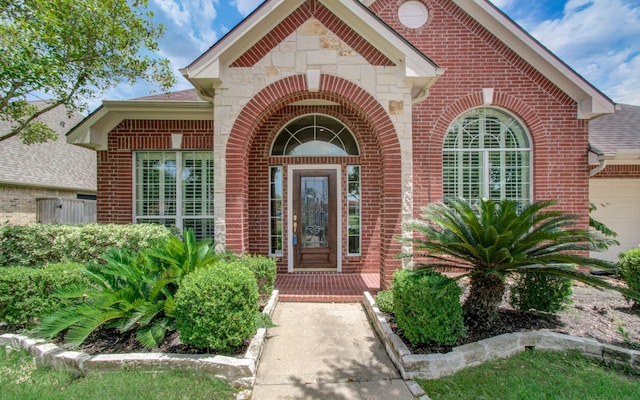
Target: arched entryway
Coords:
[[257, 179]]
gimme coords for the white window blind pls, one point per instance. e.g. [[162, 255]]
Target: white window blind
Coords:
[[175, 189], [487, 154]]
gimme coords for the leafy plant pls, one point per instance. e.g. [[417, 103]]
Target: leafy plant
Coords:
[[128, 292], [424, 315], [495, 239], [132, 291], [606, 237], [264, 270], [384, 300], [630, 270], [216, 307], [540, 292]]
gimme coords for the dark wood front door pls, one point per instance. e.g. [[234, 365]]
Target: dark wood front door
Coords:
[[314, 219]]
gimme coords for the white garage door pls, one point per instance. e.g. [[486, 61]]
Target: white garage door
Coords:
[[618, 202]]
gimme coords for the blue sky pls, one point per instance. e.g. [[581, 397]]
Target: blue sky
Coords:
[[600, 39]]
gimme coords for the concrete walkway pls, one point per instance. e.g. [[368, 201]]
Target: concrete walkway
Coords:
[[325, 351]]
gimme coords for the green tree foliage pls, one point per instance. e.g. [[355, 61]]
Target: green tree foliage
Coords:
[[495, 239], [69, 51]]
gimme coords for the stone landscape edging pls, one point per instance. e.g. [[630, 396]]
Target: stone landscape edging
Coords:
[[437, 365], [239, 372]]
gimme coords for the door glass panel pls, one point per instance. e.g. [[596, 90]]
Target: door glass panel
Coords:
[[314, 207]]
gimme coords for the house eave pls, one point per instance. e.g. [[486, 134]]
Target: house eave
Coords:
[[49, 186], [93, 131], [590, 101]]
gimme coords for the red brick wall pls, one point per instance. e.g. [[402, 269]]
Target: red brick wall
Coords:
[[619, 171], [115, 165], [475, 59]]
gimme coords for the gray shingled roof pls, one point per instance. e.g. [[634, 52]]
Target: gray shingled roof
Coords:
[[618, 131], [53, 164]]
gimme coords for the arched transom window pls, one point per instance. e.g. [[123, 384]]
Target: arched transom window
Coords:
[[487, 154], [315, 135]]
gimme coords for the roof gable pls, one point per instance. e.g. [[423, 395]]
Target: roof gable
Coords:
[[349, 19], [296, 19]]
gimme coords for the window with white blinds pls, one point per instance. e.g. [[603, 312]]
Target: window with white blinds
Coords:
[[487, 154], [175, 189]]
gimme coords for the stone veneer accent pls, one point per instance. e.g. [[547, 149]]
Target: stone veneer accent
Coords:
[[239, 372], [434, 366]]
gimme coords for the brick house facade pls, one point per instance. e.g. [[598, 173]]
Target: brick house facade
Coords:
[[408, 94]]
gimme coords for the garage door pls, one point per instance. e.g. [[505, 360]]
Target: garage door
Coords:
[[618, 202]]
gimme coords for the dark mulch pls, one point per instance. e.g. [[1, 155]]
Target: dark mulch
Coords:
[[508, 321], [110, 341]]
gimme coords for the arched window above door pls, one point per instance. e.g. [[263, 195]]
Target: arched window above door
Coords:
[[315, 135]]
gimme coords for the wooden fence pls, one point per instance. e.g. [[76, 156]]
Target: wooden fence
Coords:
[[65, 211]]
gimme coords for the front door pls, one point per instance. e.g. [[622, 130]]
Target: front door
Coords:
[[314, 219]]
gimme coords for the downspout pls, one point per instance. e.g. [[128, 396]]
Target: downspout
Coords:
[[600, 167]]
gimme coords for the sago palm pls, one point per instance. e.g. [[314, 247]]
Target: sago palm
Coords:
[[491, 240]]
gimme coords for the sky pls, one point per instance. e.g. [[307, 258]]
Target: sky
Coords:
[[600, 39]]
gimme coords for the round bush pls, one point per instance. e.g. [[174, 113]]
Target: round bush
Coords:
[[216, 306], [424, 314], [630, 269], [542, 292]]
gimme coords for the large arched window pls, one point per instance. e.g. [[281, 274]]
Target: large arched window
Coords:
[[315, 135], [487, 154]]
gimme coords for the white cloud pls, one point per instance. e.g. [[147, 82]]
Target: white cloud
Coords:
[[502, 4], [599, 39], [245, 7], [179, 15]]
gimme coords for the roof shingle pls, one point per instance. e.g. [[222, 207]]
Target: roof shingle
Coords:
[[54, 164]]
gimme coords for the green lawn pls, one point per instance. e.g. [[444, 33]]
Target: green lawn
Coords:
[[21, 378], [536, 375]]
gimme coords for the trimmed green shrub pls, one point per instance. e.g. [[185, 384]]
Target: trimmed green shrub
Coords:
[[39, 244], [541, 292], [427, 307], [384, 300], [630, 269], [264, 269], [216, 307], [26, 293]]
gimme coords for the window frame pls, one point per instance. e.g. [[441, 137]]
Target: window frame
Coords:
[[180, 216], [509, 124]]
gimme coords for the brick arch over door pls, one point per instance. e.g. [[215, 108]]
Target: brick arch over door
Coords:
[[539, 134], [289, 90]]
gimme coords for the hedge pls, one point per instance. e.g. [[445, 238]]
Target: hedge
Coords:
[[39, 244], [27, 293]]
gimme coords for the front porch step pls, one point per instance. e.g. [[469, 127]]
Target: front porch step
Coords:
[[325, 287]]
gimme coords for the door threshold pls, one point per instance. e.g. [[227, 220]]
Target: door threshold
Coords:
[[300, 270]]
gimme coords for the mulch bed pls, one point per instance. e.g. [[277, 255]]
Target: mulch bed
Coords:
[[508, 321]]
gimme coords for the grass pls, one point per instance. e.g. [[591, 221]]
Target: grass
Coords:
[[536, 375], [21, 378]]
